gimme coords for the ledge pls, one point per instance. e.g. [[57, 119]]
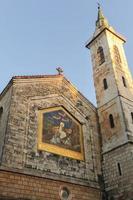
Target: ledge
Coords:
[[53, 176]]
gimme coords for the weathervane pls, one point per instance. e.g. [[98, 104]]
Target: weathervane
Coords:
[[59, 70]]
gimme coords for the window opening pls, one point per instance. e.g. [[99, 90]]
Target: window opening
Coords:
[[105, 83], [119, 169], [132, 117], [1, 112], [65, 193], [100, 54], [124, 81], [111, 119]]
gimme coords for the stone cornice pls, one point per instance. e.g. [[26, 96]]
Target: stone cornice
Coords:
[[48, 78], [88, 43], [53, 176]]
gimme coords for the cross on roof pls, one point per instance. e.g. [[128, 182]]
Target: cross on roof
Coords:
[[59, 70]]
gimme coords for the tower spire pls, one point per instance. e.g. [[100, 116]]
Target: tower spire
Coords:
[[101, 20]]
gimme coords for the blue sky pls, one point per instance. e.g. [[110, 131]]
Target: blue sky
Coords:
[[36, 36]]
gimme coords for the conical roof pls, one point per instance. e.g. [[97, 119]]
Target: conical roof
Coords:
[[101, 19]]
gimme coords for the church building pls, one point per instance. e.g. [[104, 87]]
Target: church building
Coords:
[[56, 145]]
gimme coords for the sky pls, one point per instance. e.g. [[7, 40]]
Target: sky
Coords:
[[37, 36]]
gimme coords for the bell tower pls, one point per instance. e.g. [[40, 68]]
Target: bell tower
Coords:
[[114, 93]]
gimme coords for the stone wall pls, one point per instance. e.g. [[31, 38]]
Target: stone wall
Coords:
[[21, 150], [14, 186], [5, 100], [119, 179], [112, 137], [127, 109], [103, 71]]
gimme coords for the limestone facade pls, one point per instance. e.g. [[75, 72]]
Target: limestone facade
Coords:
[[20, 152]]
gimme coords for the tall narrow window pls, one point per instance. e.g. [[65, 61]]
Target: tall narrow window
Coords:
[[119, 169], [111, 120], [1, 112], [116, 54], [124, 81], [132, 117], [100, 55], [105, 83]]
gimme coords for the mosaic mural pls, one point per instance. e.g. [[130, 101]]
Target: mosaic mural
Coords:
[[60, 131]]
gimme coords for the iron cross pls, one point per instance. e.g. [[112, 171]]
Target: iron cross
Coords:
[[59, 70]]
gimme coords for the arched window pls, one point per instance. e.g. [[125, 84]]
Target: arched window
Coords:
[[124, 81], [132, 117], [105, 83], [100, 55], [116, 54], [111, 120]]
